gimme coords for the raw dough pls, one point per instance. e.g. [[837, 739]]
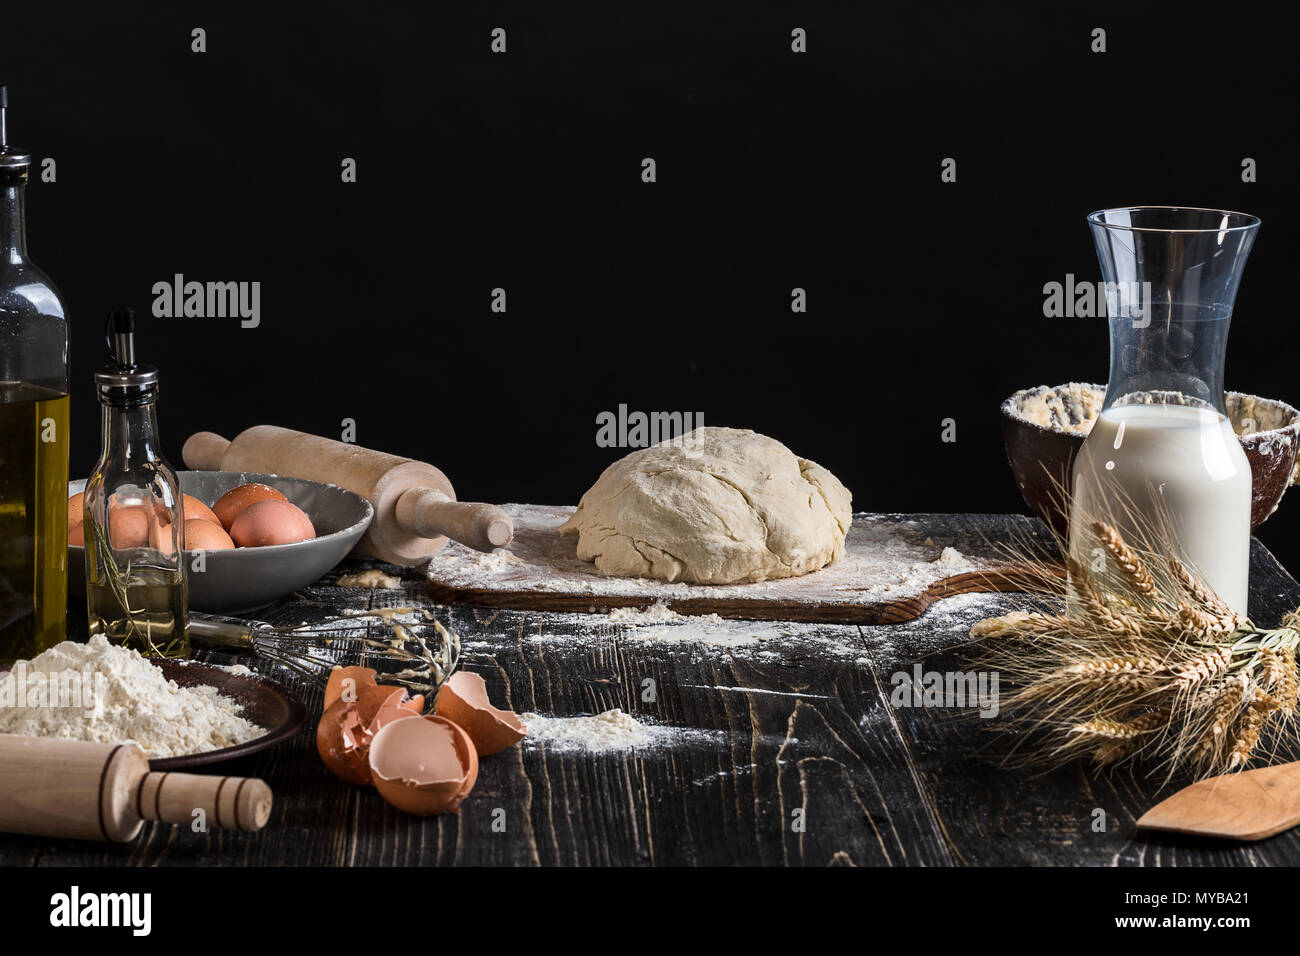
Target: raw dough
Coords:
[[716, 506]]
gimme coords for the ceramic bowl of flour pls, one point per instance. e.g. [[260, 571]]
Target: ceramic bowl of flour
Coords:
[[1044, 427], [245, 579]]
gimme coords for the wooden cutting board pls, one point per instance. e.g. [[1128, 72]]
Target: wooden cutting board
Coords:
[[895, 566]]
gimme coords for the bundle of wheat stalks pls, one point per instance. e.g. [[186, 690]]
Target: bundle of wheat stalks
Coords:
[[1147, 664]]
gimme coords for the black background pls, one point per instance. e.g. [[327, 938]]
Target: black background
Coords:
[[522, 170]]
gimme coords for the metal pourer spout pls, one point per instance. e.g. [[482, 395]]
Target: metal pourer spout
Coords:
[[121, 336]]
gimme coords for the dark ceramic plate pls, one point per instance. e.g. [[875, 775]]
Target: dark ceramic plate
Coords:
[[265, 703]]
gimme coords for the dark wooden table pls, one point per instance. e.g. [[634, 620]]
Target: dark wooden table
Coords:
[[788, 751]]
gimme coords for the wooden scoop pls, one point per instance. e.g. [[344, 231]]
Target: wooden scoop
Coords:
[[416, 510], [1241, 806], [89, 791]]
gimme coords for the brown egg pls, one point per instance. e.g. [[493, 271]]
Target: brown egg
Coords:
[[423, 766], [161, 537], [271, 522], [191, 507], [128, 526], [204, 535], [464, 701], [229, 505]]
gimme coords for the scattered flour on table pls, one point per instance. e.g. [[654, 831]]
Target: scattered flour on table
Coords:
[[491, 561], [120, 696], [945, 624], [914, 578], [611, 730], [657, 613], [372, 578], [951, 557]]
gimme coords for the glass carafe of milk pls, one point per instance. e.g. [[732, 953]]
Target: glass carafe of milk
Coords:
[[1162, 463]]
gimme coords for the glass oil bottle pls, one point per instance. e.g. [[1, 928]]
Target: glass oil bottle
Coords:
[[33, 429], [135, 568]]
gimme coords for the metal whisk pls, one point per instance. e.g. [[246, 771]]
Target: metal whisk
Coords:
[[418, 661]]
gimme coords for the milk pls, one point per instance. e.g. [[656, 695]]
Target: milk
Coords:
[[1173, 466]]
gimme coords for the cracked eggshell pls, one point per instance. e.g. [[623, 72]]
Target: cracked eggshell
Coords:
[[423, 766], [464, 701], [348, 728], [363, 684], [360, 677]]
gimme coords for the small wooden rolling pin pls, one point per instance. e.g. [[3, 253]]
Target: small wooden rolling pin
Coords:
[[89, 791], [416, 510]]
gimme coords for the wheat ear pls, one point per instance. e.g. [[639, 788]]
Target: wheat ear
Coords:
[[1126, 559]]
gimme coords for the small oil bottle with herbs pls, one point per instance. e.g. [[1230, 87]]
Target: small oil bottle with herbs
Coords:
[[135, 562]]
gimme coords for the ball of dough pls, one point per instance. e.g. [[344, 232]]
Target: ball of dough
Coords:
[[716, 506]]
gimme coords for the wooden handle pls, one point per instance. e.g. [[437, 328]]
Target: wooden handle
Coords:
[[91, 791], [228, 803], [429, 513], [381, 478], [204, 451]]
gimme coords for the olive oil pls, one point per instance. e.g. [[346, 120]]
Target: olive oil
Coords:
[[135, 568], [33, 519], [33, 428], [144, 608]]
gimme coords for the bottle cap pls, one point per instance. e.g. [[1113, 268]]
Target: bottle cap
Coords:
[[11, 157], [124, 382]]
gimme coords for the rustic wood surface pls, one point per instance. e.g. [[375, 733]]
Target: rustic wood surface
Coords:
[[787, 750]]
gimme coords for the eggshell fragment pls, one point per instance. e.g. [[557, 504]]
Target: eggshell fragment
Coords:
[[464, 701], [335, 685], [203, 535], [354, 713], [228, 507], [346, 730], [423, 766], [271, 522], [362, 678], [191, 507]]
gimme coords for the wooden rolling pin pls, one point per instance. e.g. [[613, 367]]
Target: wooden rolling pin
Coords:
[[416, 510], [89, 791]]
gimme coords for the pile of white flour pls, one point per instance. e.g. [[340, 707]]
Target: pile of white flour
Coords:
[[658, 613], [611, 730], [122, 698]]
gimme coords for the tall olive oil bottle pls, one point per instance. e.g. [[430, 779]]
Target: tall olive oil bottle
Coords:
[[33, 428]]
